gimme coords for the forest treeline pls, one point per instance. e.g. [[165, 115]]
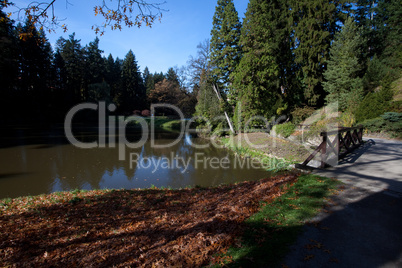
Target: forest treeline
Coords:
[[290, 57], [41, 83], [287, 57]]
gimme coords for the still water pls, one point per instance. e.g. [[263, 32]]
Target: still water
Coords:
[[33, 163]]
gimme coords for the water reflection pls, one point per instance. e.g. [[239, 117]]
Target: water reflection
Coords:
[[35, 168]]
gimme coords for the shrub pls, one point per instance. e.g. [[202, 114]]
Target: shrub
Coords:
[[301, 113], [146, 113], [392, 117], [285, 129], [374, 104], [347, 119], [396, 106], [388, 122]]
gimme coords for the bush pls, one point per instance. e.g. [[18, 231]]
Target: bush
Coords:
[[396, 106], [285, 129], [347, 119], [392, 117], [301, 113], [388, 122], [146, 113], [374, 104]]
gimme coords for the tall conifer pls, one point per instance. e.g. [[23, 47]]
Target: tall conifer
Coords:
[[265, 67], [315, 23], [344, 83], [225, 36], [133, 91]]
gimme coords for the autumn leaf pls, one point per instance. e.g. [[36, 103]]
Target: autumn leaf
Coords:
[[309, 257]]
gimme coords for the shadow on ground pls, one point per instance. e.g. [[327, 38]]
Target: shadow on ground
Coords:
[[363, 233]]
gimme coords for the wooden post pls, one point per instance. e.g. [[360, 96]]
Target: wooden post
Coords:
[[324, 149]]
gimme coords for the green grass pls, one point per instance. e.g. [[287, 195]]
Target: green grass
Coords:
[[160, 122], [273, 164], [269, 233], [172, 125]]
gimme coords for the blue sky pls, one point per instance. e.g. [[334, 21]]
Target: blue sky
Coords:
[[167, 44]]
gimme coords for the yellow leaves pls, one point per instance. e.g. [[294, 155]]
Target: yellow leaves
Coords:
[[9, 14]]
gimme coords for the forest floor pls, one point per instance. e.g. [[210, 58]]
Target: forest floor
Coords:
[[160, 227]]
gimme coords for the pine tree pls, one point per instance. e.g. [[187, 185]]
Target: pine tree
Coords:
[[8, 53], [265, 67], [344, 82], [35, 59], [171, 76], [388, 23], [148, 80], [225, 36], [8, 64], [133, 91], [364, 16], [315, 23], [94, 63], [72, 54], [208, 104]]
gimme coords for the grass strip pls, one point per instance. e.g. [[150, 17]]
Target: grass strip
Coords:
[[269, 233], [273, 164]]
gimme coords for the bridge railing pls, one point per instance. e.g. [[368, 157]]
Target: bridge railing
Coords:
[[344, 141]]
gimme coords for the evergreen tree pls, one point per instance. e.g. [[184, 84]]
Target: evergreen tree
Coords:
[[132, 91], [171, 76], [148, 80], [112, 72], [35, 71], [35, 59], [158, 77], [344, 82], [8, 64], [364, 16], [95, 68], [265, 68], [388, 23], [315, 23], [208, 104], [59, 79], [225, 37], [113, 78], [8, 53], [74, 66]]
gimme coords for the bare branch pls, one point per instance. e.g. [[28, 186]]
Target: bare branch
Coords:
[[120, 13]]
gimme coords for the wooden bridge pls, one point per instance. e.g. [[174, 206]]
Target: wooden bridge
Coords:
[[345, 140]]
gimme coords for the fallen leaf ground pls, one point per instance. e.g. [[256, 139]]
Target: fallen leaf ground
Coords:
[[152, 227]]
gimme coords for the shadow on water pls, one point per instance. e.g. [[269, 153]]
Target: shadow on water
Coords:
[[12, 175]]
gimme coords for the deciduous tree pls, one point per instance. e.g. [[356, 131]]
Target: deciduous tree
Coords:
[[116, 14]]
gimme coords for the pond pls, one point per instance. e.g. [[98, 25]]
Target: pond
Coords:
[[34, 162]]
